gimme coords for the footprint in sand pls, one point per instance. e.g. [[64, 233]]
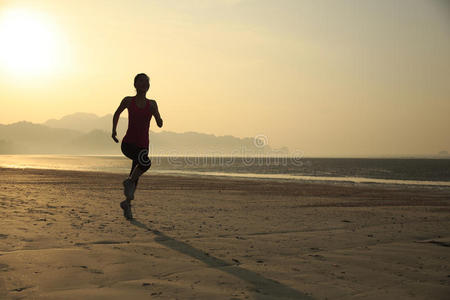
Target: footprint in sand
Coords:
[[4, 267], [20, 289], [95, 271]]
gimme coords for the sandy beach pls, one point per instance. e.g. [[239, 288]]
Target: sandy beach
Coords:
[[63, 236]]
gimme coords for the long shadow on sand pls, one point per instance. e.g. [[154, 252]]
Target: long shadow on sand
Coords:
[[263, 287]]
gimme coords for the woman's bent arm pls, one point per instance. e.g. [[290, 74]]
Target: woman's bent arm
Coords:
[[116, 117], [158, 119]]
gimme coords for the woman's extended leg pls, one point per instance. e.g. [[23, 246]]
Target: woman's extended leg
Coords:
[[133, 166], [135, 174], [141, 162]]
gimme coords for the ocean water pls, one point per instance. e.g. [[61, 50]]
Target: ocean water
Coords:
[[374, 170]]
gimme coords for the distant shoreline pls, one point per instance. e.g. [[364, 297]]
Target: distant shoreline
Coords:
[[344, 181], [406, 157]]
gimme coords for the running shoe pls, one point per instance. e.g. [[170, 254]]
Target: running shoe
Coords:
[[128, 188], [126, 206]]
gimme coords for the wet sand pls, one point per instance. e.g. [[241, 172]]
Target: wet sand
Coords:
[[63, 236]]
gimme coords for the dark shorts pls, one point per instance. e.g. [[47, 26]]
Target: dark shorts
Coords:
[[138, 155]]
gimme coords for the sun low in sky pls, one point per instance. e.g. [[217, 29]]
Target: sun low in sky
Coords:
[[325, 77], [31, 44]]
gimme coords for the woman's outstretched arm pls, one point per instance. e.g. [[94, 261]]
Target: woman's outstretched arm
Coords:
[[158, 119], [116, 117]]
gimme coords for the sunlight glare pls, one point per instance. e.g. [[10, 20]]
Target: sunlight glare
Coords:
[[29, 43]]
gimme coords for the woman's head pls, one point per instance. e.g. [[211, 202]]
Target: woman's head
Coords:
[[141, 82]]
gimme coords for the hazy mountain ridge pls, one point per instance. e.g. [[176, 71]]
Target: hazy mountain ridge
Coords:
[[84, 133], [25, 137], [86, 122]]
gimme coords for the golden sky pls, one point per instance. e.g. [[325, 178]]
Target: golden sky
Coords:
[[335, 78]]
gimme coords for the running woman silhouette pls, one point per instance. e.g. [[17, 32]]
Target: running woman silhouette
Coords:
[[135, 142]]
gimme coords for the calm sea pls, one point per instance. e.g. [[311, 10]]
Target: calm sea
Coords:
[[376, 170]]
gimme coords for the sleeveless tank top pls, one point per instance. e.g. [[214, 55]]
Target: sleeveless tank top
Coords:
[[138, 124]]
